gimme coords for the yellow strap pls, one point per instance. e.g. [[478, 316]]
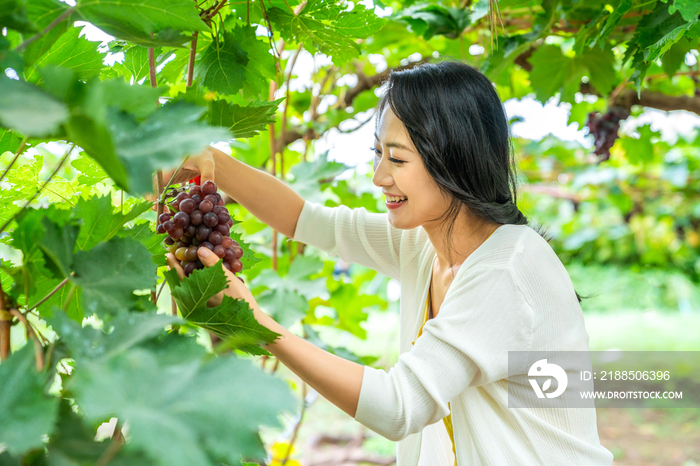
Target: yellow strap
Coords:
[[447, 419]]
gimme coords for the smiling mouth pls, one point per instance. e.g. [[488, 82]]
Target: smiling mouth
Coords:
[[396, 199]]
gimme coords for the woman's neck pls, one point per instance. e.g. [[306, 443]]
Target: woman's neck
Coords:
[[466, 236]]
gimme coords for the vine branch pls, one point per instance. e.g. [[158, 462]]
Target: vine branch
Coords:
[[5, 324], [190, 63], [38, 348], [41, 188], [14, 159], [53, 24]]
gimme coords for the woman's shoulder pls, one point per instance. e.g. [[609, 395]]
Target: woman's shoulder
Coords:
[[521, 249]]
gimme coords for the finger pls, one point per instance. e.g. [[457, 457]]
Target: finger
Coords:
[[175, 264], [206, 168], [208, 258]]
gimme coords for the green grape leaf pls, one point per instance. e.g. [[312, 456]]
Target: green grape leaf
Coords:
[[9, 141], [601, 67], [689, 9], [27, 413], [249, 259], [129, 330], [311, 335], [260, 69], [640, 151], [195, 419], [142, 233], [28, 110], [349, 309], [57, 245], [309, 175], [430, 20], [623, 7], [72, 443], [243, 122], [231, 319], [136, 62], [287, 297], [222, 64], [100, 221], [137, 20], [90, 172], [13, 15], [70, 51], [327, 27], [43, 13], [109, 273], [161, 141]]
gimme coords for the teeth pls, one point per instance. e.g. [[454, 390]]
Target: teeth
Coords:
[[395, 198]]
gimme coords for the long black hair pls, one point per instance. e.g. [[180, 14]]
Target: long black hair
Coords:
[[458, 124]]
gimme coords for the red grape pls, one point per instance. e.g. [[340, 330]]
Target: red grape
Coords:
[[236, 266], [195, 190], [189, 268], [227, 242], [239, 251], [190, 231], [223, 229], [163, 218], [181, 219], [230, 255], [215, 238], [181, 197], [206, 206], [160, 229], [203, 232], [220, 251], [187, 206], [208, 245], [211, 198], [168, 226], [224, 218], [169, 241], [209, 187], [196, 218], [210, 219], [197, 199], [227, 266], [191, 253], [175, 233]]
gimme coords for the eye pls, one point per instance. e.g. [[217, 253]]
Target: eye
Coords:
[[375, 150], [393, 160]]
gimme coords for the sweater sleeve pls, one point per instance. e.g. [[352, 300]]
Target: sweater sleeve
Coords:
[[465, 345], [354, 235]]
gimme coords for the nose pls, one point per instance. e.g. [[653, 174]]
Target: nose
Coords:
[[382, 176]]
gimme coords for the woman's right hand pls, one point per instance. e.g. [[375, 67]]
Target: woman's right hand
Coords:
[[200, 164]]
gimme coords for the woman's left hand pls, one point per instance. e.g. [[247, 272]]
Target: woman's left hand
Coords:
[[236, 288]]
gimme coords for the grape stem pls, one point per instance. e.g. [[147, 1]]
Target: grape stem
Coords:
[[5, 324], [38, 348], [161, 201], [58, 167]]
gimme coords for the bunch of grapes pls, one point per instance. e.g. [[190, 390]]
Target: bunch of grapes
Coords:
[[198, 219], [604, 129]]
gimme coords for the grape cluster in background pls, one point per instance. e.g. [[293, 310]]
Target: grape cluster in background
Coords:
[[195, 219]]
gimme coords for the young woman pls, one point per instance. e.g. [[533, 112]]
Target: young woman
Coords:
[[476, 280]]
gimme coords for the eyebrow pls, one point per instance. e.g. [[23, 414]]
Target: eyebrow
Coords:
[[398, 145]]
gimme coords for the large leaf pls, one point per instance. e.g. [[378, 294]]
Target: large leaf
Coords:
[[161, 141], [143, 233], [327, 27], [99, 220], [9, 141], [287, 297], [232, 319], [43, 13], [222, 64], [144, 22], [13, 15], [243, 122], [28, 110], [70, 51], [181, 408], [27, 413], [429, 20], [109, 273]]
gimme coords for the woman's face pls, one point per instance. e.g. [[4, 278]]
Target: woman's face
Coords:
[[399, 171]]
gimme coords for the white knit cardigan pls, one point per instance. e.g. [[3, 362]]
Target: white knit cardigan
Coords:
[[511, 294]]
